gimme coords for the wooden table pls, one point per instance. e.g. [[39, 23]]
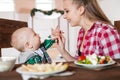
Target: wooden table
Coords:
[[111, 73]]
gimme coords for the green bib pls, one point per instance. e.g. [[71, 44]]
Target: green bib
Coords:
[[34, 59]]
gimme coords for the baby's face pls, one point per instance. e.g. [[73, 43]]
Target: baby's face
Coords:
[[34, 40]]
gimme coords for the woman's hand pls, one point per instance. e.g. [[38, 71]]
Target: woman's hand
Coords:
[[61, 43], [61, 48], [60, 39]]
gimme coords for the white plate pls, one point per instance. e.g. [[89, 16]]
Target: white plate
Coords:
[[27, 74], [97, 66]]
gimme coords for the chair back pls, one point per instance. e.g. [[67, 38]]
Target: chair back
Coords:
[[117, 25], [7, 27]]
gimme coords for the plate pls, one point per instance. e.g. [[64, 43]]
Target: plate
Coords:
[[41, 75], [97, 66]]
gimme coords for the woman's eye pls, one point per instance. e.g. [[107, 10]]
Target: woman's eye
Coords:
[[66, 11]]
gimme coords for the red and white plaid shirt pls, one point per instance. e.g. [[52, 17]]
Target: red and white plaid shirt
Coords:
[[102, 39]]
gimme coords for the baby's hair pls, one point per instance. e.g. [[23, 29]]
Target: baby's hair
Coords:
[[17, 39]]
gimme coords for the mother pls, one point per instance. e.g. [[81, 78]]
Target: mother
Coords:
[[97, 34]]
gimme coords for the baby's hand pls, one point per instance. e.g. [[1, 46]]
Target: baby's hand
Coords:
[[56, 32]]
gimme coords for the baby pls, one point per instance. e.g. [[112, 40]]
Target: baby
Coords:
[[28, 43]]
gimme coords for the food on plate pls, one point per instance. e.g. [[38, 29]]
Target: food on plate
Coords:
[[94, 59], [45, 67]]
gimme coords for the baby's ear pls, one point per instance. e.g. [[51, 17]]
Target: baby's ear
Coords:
[[28, 45]]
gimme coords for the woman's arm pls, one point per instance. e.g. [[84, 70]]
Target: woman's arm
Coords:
[[67, 56], [58, 35], [62, 50], [111, 43]]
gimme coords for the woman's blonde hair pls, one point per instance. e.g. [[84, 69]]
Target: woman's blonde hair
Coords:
[[92, 10]]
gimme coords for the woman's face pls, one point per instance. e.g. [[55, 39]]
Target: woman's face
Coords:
[[71, 13]]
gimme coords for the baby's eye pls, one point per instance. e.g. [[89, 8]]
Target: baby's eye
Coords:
[[35, 34]]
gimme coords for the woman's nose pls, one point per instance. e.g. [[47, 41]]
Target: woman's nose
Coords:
[[64, 16]]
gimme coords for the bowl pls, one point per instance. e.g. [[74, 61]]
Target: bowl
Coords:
[[7, 63]]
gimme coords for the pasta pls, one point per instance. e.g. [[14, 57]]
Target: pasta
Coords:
[[45, 67]]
